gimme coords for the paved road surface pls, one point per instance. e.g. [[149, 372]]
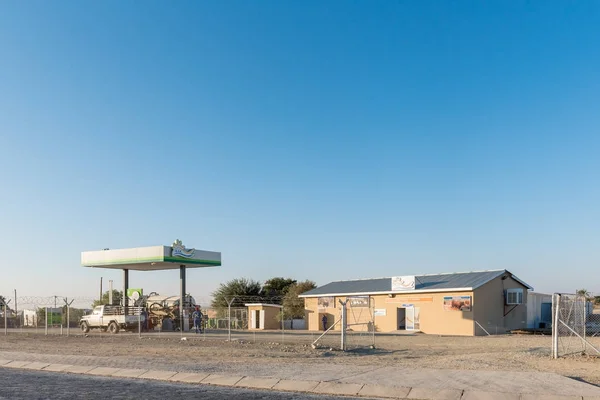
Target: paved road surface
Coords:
[[32, 385]]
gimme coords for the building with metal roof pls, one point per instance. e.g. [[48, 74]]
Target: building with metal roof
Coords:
[[464, 303]]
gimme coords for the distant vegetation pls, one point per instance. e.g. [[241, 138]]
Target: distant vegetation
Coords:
[[277, 290]]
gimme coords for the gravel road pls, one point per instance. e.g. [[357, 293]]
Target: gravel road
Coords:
[[31, 385]]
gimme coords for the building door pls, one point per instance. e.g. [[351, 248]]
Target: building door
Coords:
[[546, 313], [417, 318], [401, 318], [410, 318], [254, 319], [261, 318]]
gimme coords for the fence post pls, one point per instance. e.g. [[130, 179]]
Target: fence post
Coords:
[[68, 304], [282, 326], [343, 327], [229, 318], [373, 321], [46, 332], [555, 318], [140, 323], [5, 319]]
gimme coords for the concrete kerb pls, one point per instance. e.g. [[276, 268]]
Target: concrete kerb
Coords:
[[188, 377], [335, 388], [479, 395], [434, 394], [103, 371], [222, 380], [549, 397], [129, 373], [158, 375], [338, 388], [57, 367], [257, 383], [36, 366], [295, 386], [17, 364], [384, 391], [78, 369]]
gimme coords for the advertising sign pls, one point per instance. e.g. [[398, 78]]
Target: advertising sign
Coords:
[[457, 303], [358, 301], [135, 294], [403, 283], [326, 302]]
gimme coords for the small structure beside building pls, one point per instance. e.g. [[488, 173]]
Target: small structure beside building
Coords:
[[263, 316], [539, 310], [467, 304]]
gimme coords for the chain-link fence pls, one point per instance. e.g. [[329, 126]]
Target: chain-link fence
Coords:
[[574, 325], [353, 327], [245, 319], [242, 318]]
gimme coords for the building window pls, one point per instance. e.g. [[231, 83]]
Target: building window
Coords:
[[514, 296]]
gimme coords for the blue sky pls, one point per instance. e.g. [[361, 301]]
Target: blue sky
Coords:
[[315, 140]]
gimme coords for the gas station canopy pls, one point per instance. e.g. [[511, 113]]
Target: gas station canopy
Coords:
[[152, 258]]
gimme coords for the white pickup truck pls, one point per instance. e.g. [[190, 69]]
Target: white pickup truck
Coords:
[[112, 318]]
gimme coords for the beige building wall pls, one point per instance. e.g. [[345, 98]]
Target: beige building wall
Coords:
[[270, 315], [314, 314], [490, 310], [487, 304], [432, 316]]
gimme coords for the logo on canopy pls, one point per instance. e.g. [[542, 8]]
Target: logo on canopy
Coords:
[[179, 250]]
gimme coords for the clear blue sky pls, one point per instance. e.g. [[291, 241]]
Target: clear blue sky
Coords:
[[315, 140]]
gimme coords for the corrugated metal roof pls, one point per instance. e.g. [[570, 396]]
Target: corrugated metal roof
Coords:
[[439, 282]]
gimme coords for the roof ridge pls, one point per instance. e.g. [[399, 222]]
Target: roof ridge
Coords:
[[439, 273]]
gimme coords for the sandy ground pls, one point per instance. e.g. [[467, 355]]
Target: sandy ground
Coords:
[[509, 353]]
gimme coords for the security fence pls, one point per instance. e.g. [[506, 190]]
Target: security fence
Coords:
[[249, 319], [575, 326]]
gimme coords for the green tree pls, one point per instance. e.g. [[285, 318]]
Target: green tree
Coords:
[[276, 288], [117, 297], [244, 290], [293, 305], [584, 293]]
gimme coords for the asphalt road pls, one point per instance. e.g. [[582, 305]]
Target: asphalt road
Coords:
[[35, 385]]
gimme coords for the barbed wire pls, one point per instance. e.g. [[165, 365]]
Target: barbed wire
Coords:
[[86, 302]]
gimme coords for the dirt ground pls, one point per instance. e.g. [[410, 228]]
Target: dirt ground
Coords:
[[506, 352]]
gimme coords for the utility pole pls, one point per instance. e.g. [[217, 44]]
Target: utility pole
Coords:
[[100, 289]]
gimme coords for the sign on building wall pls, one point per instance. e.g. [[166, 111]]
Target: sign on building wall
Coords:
[[380, 312], [403, 283], [358, 301], [326, 302], [457, 303], [409, 299]]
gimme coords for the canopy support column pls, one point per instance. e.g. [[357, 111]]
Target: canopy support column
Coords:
[[181, 295], [125, 287]]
